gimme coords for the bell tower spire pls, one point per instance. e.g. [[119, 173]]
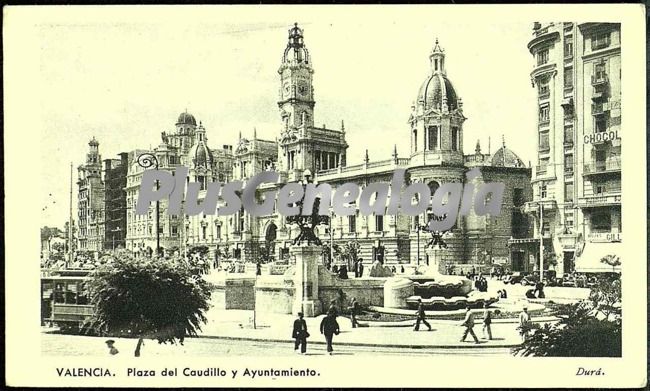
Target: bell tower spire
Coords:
[[296, 91]]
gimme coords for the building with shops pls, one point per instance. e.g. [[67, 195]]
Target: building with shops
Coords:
[[577, 179], [187, 146]]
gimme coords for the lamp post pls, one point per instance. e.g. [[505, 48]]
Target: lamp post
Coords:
[[148, 160], [541, 241], [419, 229], [331, 237]]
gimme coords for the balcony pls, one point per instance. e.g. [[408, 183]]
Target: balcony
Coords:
[[599, 200], [533, 206], [599, 108], [602, 167], [599, 79], [540, 170]]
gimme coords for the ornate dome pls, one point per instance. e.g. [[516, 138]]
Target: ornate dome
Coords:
[[434, 88], [186, 119], [201, 155], [504, 157]]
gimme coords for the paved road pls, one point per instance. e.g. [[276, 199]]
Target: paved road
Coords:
[[73, 345]]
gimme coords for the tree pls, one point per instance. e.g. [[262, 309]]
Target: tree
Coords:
[[147, 298], [611, 260], [591, 328], [550, 259], [201, 251]]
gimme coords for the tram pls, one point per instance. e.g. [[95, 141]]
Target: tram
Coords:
[[64, 299]]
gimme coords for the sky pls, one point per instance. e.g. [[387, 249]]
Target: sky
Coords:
[[124, 77]]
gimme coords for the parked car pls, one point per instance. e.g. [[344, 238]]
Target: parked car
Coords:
[[515, 278]]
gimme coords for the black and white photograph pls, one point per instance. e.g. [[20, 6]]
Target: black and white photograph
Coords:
[[319, 186]]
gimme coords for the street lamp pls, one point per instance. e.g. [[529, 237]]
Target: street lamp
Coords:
[[420, 228], [331, 238], [148, 160]]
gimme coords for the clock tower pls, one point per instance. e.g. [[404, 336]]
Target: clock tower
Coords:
[[296, 91]]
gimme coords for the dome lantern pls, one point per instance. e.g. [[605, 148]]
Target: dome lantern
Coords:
[[437, 58]]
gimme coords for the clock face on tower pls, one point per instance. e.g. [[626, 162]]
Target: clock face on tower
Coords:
[[302, 89]]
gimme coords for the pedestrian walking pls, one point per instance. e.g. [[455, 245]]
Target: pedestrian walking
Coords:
[[359, 272], [343, 272], [468, 322], [539, 288], [487, 322], [332, 309], [328, 327], [112, 350], [300, 334], [354, 311], [421, 317], [524, 323]]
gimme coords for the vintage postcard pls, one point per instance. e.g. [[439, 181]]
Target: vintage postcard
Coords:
[[325, 196]]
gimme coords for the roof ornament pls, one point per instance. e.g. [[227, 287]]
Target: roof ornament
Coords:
[[478, 147]]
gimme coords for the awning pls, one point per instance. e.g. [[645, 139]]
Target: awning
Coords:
[[589, 260]]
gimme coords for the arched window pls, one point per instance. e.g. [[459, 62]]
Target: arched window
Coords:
[[415, 140], [433, 186]]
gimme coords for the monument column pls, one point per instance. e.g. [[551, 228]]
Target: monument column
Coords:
[[305, 280]]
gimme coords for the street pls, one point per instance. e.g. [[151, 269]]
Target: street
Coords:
[[74, 345]]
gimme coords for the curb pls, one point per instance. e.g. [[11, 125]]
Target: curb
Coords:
[[365, 344]]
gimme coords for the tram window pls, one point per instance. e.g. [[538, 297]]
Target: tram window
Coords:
[[59, 294], [82, 298], [71, 293]]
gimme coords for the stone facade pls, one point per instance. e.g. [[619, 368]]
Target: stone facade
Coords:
[[301, 149], [577, 181], [90, 201]]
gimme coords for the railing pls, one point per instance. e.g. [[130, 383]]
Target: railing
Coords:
[[600, 200], [380, 163], [356, 167], [607, 165], [401, 162], [540, 170], [476, 158], [328, 171]]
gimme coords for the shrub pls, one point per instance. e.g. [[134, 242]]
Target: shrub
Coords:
[[160, 299]]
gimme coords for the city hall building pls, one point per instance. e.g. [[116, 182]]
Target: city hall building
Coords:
[[577, 179], [303, 151]]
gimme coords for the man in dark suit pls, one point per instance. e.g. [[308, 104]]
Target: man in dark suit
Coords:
[[328, 327], [360, 268], [354, 311], [421, 317], [300, 333]]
